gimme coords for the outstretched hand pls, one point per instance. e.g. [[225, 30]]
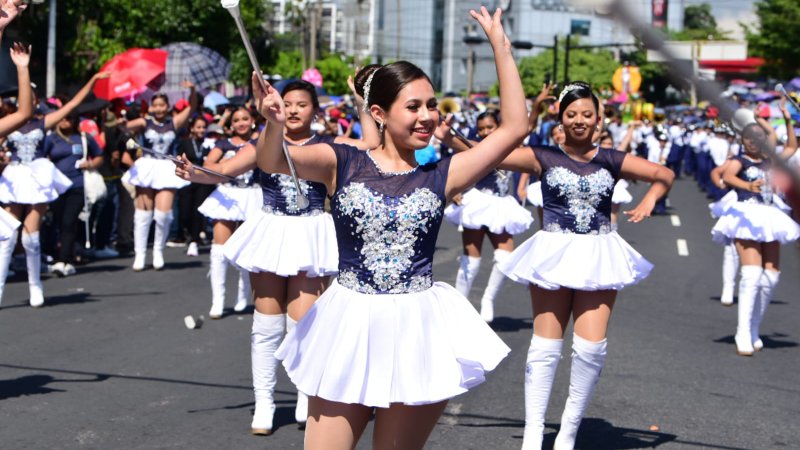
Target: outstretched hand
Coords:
[[642, 211], [10, 10], [183, 167], [493, 27], [269, 103], [20, 54]]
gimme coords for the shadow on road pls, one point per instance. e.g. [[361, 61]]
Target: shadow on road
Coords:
[[774, 340], [511, 324], [37, 384]]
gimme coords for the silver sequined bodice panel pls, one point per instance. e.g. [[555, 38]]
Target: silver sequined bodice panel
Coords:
[[27, 143], [754, 171]]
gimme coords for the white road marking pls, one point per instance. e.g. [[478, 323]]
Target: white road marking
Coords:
[[676, 221], [683, 247]]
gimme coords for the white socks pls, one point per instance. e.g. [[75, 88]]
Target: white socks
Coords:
[[163, 221], [588, 359], [748, 291], [766, 285], [301, 409], [218, 265], [245, 291], [141, 231], [467, 269], [33, 257], [265, 338], [730, 266], [493, 286], [6, 251], [540, 370]]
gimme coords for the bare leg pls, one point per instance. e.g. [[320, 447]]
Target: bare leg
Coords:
[[334, 426], [405, 427]]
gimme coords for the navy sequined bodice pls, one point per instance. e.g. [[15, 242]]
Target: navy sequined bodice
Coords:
[[386, 223], [496, 183], [280, 193], [577, 195], [27, 142], [229, 150], [754, 171], [159, 136]]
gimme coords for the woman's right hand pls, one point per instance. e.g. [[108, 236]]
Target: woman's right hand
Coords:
[[20, 55], [11, 9], [269, 103], [755, 186], [184, 168], [493, 27]]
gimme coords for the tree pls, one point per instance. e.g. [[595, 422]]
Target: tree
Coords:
[[773, 38], [699, 24]]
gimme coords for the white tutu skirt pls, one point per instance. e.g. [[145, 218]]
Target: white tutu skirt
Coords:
[[154, 173], [535, 194], [621, 195], [587, 262], [376, 350], [755, 222], [498, 214], [285, 245], [32, 183], [232, 203], [719, 207], [8, 223]]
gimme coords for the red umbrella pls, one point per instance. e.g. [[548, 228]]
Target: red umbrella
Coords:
[[130, 72]]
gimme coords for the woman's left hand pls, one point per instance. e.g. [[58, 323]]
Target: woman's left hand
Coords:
[[269, 103], [641, 212], [493, 27]]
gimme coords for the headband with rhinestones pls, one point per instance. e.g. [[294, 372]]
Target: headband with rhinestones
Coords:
[[569, 88], [367, 86]]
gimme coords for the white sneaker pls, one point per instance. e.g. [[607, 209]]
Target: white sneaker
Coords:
[[158, 260], [105, 253], [192, 250], [68, 270], [58, 269]]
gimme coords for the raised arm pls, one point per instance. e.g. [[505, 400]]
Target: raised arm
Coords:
[[791, 139], [21, 56], [370, 136], [468, 167], [544, 95], [52, 119], [641, 169], [180, 119], [522, 159], [625, 144], [312, 162], [10, 9]]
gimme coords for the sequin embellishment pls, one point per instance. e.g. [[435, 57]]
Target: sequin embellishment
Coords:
[[388, 228], [289, 191], [26, 144], [583, 193], [159, 142]]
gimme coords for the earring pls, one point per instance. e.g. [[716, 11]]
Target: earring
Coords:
[[380, 127], [560, 127]]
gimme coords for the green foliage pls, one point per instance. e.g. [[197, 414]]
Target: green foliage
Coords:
[[288, 65], [774, 37], [335, 70], [699, 17]]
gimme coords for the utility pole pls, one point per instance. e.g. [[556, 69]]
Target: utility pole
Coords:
[[51, 50], [312, 51], [566, 61], [554, 76], [397, 37]]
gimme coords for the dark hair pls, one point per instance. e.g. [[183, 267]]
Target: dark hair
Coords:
[[553, 129], [487, 115], [302, 85], [162, 96], [578, 90], [196, 119], [390, 79]]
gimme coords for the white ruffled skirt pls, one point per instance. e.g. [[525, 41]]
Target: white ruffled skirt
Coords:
[[535, 194], [621, 195], [285, 245], [232, 203], [154, 173], [498, 214], [8, 223], [755, 222], [719, 207], [587, 262], [376, 350], [32, 183]]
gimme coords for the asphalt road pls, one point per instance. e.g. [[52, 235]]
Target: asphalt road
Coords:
[[108, 363]]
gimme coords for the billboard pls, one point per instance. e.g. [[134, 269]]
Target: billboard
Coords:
[[659, 9]]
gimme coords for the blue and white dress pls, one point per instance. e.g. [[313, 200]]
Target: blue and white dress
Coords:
[[235, 200], [754, 216], [150, 171], [489, 205], [282, 238], [384, 332], [577, 247], [31, 178]]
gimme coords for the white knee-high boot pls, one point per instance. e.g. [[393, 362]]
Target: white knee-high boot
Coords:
[[6, 251], [244, 292], [730, 266], [301, 409], [467, 269], [540, 371], [493, 286], [766, 286], [588, 359], [218, 266], [141, 231], [265, 338], [163, 220], [748, 291], [33, 257]]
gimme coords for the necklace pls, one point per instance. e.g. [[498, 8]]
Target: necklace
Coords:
[[300, 144], [389, 174]]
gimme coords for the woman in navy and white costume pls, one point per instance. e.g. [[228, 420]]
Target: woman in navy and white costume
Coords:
[[32, 181], [487, 210], [576, 264], [228, 206], [289, 251], [9, 224], [384, 336], [757, 226], [154, 177]]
